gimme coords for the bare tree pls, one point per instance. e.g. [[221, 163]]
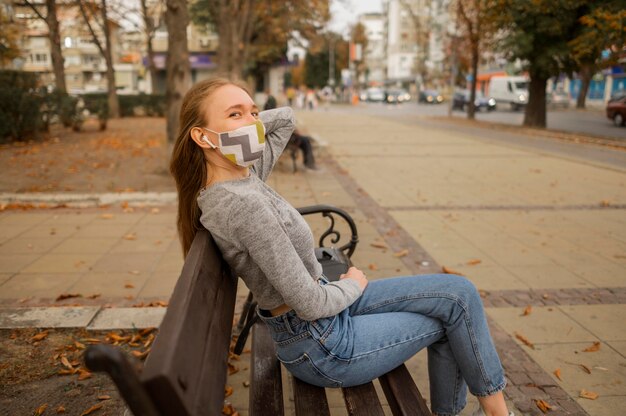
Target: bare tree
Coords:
[[105, 51], [177, 65], [54, 38], [150, 29]]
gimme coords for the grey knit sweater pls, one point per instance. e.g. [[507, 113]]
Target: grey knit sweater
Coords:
[[266, 241]]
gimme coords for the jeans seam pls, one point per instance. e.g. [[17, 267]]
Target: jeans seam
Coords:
[[363, 355], [418, 296]]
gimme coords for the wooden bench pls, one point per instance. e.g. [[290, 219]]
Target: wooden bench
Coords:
[[185, 373]]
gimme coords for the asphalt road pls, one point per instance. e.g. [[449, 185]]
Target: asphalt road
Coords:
[[591, 121]]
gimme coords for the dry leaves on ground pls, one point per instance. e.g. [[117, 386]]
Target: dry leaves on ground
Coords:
[[524, 340], [543, 405], [447, 270], [557, 373], [585, 394], [527, 310], [378, 244], [595, 347], [39, 411], [401, 253], [91, 409], [474, 262], [40, 336]]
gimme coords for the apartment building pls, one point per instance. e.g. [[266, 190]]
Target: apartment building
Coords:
[[374, 24]]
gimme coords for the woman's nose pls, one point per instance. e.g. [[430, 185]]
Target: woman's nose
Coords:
[[250, 118]]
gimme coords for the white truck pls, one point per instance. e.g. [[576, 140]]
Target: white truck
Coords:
[[511, 90]]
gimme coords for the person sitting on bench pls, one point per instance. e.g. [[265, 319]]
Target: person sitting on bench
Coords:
[[330, 334], [304, 144]]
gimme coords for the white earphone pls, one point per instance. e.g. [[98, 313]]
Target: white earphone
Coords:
[[206, 139]]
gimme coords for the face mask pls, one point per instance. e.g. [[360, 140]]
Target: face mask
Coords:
[[242, 146]]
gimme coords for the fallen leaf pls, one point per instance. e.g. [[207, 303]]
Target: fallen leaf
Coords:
[[39, 336], [474, 262], [401, 253], [104, 397], [134, 272], [527, 311], [585, 368], [246, 383], [68, 296], [228, 390], [92, 409], [39, 411], [141, 354], [94, 296], [79, 345], [83, 374], [130, 237], [524, 340], [557, 373], [228, 409], [372, 266], [377, 244], [595, 347], [232, 369], [588, 394], [107, 216], [61, 409], [448, 270], [543, 405], [129, 286], [66, 363]]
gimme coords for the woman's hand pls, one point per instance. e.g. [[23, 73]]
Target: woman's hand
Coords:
[[357, 275]]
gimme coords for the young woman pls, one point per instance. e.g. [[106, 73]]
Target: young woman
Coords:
[[330, 334]]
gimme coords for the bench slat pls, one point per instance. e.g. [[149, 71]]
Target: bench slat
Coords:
[[194, 334], [402, 394], [266, 386], [362, 400], [310, 400]]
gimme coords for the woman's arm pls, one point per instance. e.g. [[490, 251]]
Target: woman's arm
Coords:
[[279, 124]]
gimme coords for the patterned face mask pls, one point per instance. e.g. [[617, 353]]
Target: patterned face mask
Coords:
[[242, 146]]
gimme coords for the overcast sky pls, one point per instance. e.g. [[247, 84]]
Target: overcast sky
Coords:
[[345, 12]]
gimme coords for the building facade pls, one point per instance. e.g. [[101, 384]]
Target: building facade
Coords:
[[374, 24]]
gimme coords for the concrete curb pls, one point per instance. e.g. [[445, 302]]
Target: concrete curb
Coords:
[[90, 200], [89, 317]]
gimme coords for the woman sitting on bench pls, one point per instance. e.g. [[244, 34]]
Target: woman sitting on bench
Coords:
[[330, 334]]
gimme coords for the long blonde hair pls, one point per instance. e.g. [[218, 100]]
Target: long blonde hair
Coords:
[[188, 164]]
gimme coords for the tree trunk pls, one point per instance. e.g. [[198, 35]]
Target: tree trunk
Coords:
[[535, 115], [149, 23], [54, 38], [114, 105], [177, 64], [586, 73], [234, 29], [471, 106]]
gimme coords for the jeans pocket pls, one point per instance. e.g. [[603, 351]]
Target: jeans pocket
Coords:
[[304, 369]]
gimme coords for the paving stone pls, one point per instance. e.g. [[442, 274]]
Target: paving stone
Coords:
[[127, 318], [56, 317]]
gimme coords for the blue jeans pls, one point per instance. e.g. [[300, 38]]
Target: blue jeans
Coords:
[[393, 320]]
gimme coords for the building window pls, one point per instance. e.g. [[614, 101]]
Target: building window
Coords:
[[68, 42], [39, 58]]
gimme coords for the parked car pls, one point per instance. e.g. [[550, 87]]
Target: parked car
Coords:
[[373, 94], [616, 111], [430, 97], [460, 100], [557, 98], [397, 96]]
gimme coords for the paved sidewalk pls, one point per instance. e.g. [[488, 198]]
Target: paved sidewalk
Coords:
[[528, 229]]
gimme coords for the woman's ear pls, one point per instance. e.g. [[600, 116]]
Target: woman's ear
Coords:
[[201, 139]]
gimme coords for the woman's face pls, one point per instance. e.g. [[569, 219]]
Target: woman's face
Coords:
[[229, 108]]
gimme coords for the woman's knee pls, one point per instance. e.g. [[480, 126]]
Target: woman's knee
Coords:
[[462, 287]]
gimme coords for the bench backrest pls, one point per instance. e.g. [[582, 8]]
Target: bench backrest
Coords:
[[194, 335]]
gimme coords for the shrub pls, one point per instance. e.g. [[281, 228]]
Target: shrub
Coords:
[[20, 105]]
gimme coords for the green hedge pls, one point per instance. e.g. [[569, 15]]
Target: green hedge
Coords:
[[20, 105]]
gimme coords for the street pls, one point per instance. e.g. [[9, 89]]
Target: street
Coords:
[[592, 121]]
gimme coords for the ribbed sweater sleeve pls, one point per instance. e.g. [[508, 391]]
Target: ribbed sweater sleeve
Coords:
[[279, 124]]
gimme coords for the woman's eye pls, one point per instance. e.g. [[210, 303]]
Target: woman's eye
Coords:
[[235, 114], [255, 114]]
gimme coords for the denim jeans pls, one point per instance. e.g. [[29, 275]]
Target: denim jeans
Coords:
[[393, 320]]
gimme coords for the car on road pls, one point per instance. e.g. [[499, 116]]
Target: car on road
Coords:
[[396, 96], [461, 99], [557, 98], [616, 110], [373, 94], [430, 97], [511, 90]]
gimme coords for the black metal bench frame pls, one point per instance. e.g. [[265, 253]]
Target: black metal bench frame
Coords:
[[185, 373]]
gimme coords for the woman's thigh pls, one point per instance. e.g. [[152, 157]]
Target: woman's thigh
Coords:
[[365, 347]]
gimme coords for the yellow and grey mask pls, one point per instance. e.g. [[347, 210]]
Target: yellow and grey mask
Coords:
[[242, 146]]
